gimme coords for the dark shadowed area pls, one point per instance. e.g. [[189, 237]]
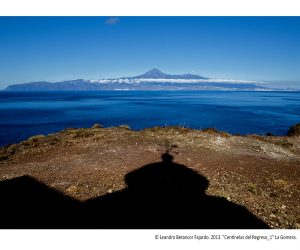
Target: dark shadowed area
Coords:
[[162, 195]]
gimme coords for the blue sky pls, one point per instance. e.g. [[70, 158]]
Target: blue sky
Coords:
[[62, 48]]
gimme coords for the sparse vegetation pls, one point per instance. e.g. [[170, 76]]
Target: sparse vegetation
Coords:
[[97, 125], [125, 127], [252, 187], [82, 133], [36, 138], [281, 183], [284, 144], [12, 149], [248, 170], [68, 131], [294, 130], [257, 137], [279, 141], [4, 157], [215, 131]]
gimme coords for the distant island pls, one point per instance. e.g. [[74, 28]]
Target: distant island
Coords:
[[151, 80]]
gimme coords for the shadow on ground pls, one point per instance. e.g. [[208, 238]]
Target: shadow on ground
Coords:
[[163, 195]]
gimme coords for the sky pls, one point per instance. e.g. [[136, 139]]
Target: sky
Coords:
[[64, 48]]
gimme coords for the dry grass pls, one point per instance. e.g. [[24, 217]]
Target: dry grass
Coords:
[[215, 131], [36, 138]]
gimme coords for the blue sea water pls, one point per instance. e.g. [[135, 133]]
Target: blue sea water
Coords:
[[23, 114]]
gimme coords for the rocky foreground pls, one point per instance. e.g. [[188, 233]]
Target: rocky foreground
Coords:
[[260, 173]]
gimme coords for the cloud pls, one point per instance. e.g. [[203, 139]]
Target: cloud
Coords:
[[145, 80], [112, 20]]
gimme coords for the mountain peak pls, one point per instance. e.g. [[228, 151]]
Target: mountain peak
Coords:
[[154, 70], [153, 73], [157, 74]]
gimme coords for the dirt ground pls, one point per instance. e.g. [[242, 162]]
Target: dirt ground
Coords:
[[260, 173]]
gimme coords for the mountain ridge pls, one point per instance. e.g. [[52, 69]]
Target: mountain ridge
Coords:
[[157, 74], [153, 79]]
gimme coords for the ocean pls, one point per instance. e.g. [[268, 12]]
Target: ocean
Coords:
[[23, 114]]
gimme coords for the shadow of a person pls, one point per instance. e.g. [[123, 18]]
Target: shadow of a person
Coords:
[[167, 195], [28, 203]]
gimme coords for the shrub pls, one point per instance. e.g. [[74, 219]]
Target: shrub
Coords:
[[97, 125], [3, 157], [213, 130], [252, 188], [125, 127], [82, 133], [36, 137], [12, 149], [294, 130], [210, 130]]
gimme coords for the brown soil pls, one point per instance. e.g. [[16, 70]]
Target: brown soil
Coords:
[[259, 173]]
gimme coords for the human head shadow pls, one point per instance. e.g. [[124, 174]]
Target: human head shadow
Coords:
[[162, 195], [167, 195]]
